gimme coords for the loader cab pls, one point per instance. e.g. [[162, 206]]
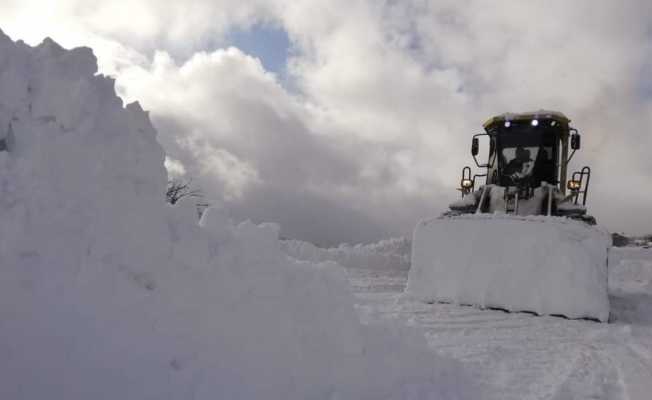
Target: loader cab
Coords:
[[524, 167], [526, 149]]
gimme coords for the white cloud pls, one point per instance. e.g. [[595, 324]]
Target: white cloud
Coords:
[[174, 167], [428, 73]]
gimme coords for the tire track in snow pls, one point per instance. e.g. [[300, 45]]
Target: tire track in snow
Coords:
[[631, 359], [591, 376]]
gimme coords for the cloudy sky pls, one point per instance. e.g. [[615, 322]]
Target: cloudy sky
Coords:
[[349, 120]]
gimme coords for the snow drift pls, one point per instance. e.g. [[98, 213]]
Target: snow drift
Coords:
[[547, 265], [391, 253], [106, 292]]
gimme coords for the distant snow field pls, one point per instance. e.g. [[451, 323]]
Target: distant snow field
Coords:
[[392, 254]]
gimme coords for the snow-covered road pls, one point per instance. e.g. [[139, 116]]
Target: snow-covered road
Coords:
[[528, 357]]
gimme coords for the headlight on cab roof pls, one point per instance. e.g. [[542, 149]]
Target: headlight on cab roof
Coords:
[[467, 183]]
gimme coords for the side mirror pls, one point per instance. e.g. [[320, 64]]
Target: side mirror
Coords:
[[475, 146], [575, 141]]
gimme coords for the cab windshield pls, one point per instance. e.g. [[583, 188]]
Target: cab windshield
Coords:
[[526, 157]]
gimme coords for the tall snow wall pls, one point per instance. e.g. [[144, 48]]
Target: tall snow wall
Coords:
[[106, 292], [546, 265]]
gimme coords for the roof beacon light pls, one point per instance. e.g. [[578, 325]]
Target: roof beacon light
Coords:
[[535, 122]]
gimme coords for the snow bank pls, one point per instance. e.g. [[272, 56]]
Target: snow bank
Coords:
[[548, 265], [107, 292], [392, 253]]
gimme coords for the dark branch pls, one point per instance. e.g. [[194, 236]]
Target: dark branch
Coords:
[[178, 190]]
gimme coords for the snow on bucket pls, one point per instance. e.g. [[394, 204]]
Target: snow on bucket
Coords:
[[546, 265]]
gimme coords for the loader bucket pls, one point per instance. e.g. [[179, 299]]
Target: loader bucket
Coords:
[[545, 265]]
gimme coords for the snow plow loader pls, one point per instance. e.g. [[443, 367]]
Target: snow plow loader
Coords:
[[523, 240]]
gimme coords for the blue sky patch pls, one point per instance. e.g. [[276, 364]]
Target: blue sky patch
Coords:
[[270, 43]]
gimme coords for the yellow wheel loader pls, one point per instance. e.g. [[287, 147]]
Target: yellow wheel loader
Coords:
[[520, 237]]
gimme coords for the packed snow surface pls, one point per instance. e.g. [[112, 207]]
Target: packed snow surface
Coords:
[[530, 357], [546, 265], [106, 292]]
